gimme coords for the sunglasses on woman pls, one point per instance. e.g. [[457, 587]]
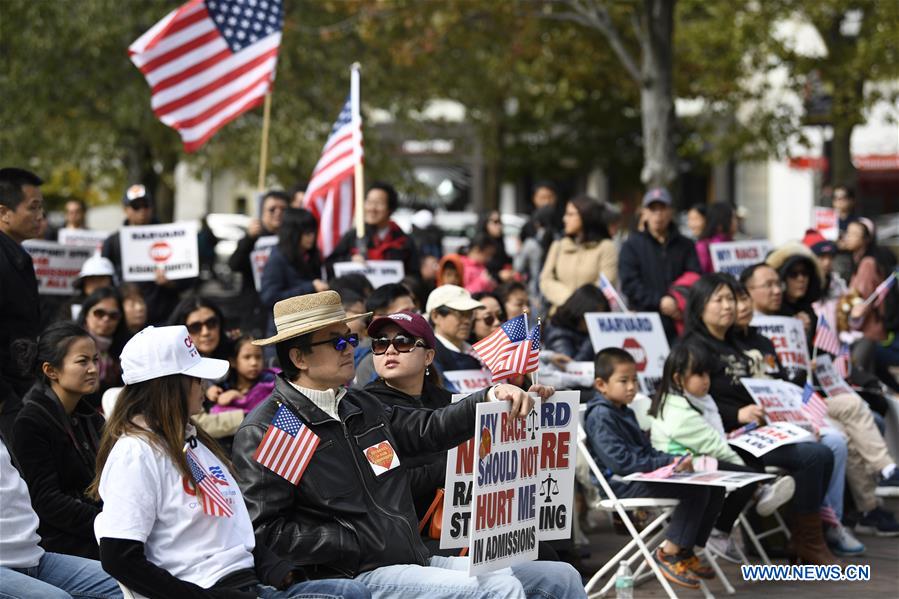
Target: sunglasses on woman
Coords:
[[100, 314], [401, 343], [340, 343], [195, 328], [487, 320]]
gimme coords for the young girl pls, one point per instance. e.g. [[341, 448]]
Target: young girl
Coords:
[[686, 420], [174, 522], [248, 382]]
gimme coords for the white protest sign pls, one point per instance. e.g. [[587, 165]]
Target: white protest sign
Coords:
[[504, 493], [760, 441], [469, 381], [825, 220], [82, 237], [172, 248], [378, 272], [829, 379], [558, 453], [718, 478], [733, 256], [639, 333], [575, 375], [56, 266], [788, 337], [782, 400], [262, 249]]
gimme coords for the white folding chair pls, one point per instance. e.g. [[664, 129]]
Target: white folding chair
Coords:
[[756, 538]]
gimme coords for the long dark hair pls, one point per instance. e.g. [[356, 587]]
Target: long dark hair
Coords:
[[162, 404], [685, 358], [700, 293], [587, 298], [593, 227], [120, 335], [51, 347], [296, 223], [718, 219], [192, 304]]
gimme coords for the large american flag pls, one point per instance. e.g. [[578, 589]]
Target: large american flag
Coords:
[[825, 337], [287, 446], [211, 498], [208, 62], [813, 405], [330, 193], [495, 349]]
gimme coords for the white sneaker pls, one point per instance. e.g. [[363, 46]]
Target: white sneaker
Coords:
[[775, 495], [842, 542], [723, 546]]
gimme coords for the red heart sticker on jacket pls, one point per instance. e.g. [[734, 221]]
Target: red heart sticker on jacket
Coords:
[[380, 454]]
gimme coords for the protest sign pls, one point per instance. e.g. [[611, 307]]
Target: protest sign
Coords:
[[504, 494], [82, 237], [718, 478], [378, 272], [825, 220], [828, 377], [733, 256], [56, 266], [788, 337], [457, 493], [171, 248], [575, 375], [640, 334], [763, 439], [558, 452], [468, 381], [262, 249], [782, 400]]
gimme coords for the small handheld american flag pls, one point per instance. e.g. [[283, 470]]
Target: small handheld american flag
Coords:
[[287, 446], [813, 405], [496, 348], [525, 358], [616, 302], [211, 498], [825, 337], [880, 293], [843, 361]]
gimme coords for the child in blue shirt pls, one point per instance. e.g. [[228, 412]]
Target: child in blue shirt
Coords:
[[620, 447]]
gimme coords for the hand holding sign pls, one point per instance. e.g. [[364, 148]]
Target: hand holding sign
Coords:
[[751, 413], [521, 402]]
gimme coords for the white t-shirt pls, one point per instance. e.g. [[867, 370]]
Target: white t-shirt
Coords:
[[145, 499], [18, 523]]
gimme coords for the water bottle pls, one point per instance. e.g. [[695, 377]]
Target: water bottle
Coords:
[[624, 582]]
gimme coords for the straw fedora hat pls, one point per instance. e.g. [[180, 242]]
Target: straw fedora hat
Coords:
[[303, 314]]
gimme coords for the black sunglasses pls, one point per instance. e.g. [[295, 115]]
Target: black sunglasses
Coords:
[[138, 204], [210, 323], [340, 343], [487, 320], [401, 343], [100, 313]]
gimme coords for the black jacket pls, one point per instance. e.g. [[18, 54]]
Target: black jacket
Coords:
[[406, 252], [427, 472], [161, 299], [447, 359], [57, 454], [20, 317], [341, 519], [646, 269]]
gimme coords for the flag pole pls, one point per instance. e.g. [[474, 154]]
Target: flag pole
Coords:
[[537, 372], [358, 175], [263, 145]]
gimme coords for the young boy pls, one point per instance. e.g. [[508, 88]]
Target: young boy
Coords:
[[620, 447]]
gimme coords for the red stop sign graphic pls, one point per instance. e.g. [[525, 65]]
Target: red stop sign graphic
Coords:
[[160, 251], [633, 347]]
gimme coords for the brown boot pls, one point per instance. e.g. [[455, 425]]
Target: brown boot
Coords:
[[808, 540]]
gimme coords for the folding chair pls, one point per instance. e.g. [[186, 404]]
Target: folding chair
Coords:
[[756, 538]]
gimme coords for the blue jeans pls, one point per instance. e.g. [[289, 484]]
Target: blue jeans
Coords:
[[833, 498], [696, 512], [317, 589], [447, 578], [59, 576]]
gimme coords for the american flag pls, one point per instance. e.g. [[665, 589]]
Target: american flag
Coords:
[[287, 446], [212, 500], [813, 405], [208, 62], [616, 302], [495, 348], [843, 361], [882, 290], [825, 337], [524, 359], [330, 193]]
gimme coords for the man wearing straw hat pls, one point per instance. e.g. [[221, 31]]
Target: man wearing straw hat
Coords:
[[333, 495]]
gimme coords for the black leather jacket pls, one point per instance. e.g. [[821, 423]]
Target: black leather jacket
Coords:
[[342, 520]]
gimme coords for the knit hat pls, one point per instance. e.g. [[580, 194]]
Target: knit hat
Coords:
[[816, 242]]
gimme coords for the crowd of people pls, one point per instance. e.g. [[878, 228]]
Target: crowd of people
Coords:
[[136, 417]]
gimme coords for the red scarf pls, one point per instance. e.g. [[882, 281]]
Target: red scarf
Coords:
[[395, 239]]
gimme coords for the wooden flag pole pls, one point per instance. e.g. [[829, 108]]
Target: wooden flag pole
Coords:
[[358, 175], [263, 145]]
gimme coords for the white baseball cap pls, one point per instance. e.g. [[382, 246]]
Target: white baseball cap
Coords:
[[451, 296], [160, 351], [97, 266]]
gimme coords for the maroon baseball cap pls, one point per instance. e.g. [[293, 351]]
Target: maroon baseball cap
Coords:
[[410, 322]]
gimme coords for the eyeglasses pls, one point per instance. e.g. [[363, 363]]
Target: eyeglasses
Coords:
[[487, 320], [340, 343], [210, 323], [401, 343], [797, 273], [100, 313], [769, 286]]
